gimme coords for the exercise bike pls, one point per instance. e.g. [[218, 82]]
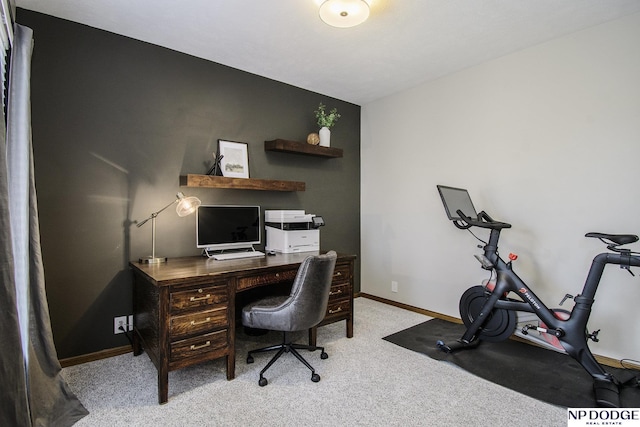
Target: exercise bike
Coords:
[[490, 312]]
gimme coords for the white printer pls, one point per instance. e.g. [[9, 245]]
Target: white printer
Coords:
[[290, 231]]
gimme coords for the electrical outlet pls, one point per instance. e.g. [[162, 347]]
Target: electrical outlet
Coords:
[[394, 286], [130, 323], [120, 321]]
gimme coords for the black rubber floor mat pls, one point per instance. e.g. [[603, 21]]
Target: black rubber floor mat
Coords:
[[542, 374]]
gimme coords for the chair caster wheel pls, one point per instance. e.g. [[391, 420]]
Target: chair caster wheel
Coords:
[[263, 382], [315, 378], [324, 355], [249, 359]]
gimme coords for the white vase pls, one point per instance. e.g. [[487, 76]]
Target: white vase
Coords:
[[325, 137]]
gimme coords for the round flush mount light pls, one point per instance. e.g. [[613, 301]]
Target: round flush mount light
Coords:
[[344, 13]]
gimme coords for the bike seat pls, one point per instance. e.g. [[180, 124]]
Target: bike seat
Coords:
[[618, 239]]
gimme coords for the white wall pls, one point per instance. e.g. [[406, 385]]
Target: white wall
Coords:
[[547, 139]]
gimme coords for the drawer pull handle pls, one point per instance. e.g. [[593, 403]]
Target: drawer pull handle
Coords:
[[339, 309], [277, 274], [193, 322], [338, 292], [192, 299], [338, 274], [198, 347]]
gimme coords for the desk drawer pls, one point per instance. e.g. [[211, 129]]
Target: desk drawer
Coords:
[[195, 323], [341, 274], [198, 345], [266, 279], [338, 308], [197, 298], [339, 291]]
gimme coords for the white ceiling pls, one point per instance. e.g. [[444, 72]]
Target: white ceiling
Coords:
[[404, 42]]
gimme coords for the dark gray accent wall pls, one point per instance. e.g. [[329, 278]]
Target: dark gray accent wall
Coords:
[[115, 123]]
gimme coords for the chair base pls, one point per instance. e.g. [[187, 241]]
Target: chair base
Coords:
[[287, 347]]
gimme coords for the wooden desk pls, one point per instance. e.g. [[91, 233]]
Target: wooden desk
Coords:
[[184, 309]]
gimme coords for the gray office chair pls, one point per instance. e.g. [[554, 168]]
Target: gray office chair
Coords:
[[303, 309]]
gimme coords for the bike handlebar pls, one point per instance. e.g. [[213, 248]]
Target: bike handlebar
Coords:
[[613, 241], [483, 221]]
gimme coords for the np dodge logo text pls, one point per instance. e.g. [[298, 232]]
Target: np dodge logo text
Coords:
[[579, 417], [524, 292]]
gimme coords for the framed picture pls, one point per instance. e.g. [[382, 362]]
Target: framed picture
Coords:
[[235, 159]]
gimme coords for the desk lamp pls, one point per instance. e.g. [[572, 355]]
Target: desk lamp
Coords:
[[186, 206]]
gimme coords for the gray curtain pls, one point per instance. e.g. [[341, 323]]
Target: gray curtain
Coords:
[[32, 391]]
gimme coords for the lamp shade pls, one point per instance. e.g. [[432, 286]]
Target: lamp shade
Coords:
[[344, 13], [187, 205]]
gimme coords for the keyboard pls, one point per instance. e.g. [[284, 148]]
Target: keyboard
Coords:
[[237, 255]]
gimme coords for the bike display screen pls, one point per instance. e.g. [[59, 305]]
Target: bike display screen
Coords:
[[455, 199]]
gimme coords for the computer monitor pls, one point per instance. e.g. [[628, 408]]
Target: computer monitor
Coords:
[[223, 227], [455, 199]]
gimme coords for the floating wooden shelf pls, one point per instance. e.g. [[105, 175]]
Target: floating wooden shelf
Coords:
[[209, 181], [285, 146]]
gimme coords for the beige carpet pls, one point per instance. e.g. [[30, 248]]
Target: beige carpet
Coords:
[[366, 381]]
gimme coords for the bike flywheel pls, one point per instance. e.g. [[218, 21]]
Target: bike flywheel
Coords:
[[500, 323]]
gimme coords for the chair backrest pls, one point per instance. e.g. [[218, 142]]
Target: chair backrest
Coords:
[[307, 303]]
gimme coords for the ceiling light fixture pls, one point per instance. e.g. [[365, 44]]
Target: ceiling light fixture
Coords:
[[344, 13]]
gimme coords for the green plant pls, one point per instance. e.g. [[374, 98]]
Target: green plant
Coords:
[[325, 119]]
